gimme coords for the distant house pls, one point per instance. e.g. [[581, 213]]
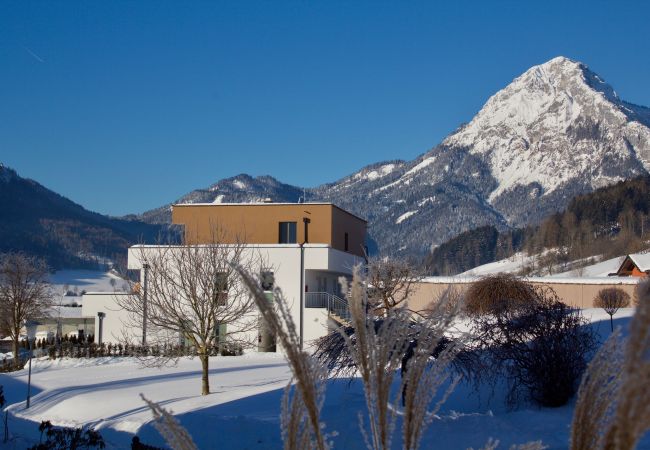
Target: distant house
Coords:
[[634, 265]]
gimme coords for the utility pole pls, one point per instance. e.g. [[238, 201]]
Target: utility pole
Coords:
[[145, 268], [100, 337], [305, 221]]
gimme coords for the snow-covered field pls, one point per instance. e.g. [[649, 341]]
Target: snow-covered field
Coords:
[[517, 262], [86, 280], [243, 410], [79, 281]]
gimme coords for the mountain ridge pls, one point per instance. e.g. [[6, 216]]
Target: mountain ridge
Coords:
[[60, 230], [556, 131]]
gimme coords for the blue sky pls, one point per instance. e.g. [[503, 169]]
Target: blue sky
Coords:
[[125, 106]]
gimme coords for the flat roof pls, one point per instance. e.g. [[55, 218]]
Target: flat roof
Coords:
[[174, 205], [306, 245]]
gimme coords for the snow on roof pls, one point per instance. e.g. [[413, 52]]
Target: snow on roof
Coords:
[[253, 204], [641, 260], [116, 293], [66, 312], [548, 280]]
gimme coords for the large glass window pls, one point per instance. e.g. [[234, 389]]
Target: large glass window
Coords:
[[288, 233]]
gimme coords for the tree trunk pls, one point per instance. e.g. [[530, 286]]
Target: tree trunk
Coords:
[[16, 343], [205, 382], [611, 321], [16, 346]]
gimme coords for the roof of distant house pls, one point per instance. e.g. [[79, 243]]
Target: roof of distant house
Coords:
[[641, 260]]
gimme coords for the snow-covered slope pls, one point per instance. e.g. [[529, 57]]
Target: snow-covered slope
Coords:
[[522, 262], [240, 188], [557, 122], [556, 131]]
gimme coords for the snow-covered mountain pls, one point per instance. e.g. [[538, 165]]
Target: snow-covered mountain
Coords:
[[40, 222], [555, 124], [556, 131], [240, 188]]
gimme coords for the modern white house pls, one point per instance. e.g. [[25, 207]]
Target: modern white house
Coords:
[[306, 247]]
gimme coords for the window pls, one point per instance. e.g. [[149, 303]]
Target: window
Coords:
[[288, 233], [220, 333], [346, 242], [221, 288]]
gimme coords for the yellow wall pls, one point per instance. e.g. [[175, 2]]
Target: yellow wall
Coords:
[[258, 223], [344, 222], [579, 295]]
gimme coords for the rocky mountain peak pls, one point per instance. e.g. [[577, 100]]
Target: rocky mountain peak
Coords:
[[556, 131], [554, 123]]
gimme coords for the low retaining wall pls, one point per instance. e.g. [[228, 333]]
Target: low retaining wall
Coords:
[[577, 292]]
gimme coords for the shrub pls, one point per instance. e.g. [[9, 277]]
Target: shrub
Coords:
[[61, 438], [137, 445], [540, 347], [611, 300], [494, 293], [231, 349]]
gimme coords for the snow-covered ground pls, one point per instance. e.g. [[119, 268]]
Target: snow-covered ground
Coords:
[[82, 280], [517, 262], [600, 269], [513, 264], [243, 410]]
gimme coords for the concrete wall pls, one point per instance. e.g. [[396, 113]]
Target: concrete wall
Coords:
[[284, 261], [116, 327], [316, 325], [573, 292]]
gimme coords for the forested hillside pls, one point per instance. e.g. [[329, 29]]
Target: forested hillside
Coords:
[[43, 223], [610, 221]]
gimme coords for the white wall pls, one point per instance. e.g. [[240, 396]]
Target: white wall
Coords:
[[316, 325], [116, 321], [284, 261]]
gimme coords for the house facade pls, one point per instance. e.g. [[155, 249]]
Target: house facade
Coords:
[[306, 247]]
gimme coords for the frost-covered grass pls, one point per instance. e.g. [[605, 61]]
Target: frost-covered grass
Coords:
[[243, 410]]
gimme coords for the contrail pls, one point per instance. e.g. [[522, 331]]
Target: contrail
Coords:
[[36, 57]]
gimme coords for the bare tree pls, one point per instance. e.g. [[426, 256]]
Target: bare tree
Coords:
[[611, 300], [391, 282], [24, 293], [195, 297]]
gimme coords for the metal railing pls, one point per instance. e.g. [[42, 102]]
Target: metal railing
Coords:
[[334, 304]]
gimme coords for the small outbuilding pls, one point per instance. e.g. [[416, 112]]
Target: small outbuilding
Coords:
[[634, 265]]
